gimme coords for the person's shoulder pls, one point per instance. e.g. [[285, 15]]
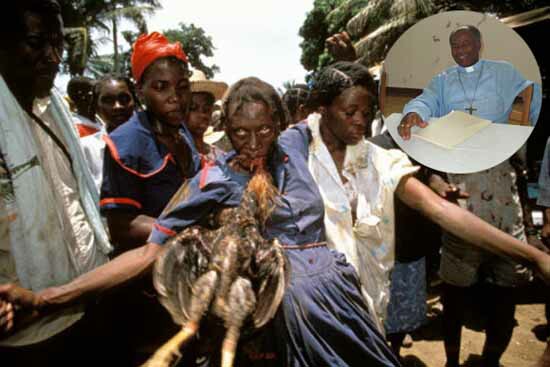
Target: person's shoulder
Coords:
[[299, 133], [450, 71], [499, 65], [131, 139], [133, 128]]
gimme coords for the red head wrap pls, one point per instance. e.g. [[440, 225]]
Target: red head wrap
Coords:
[[150, 47]]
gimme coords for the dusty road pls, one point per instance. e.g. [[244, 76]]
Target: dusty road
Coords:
[[524, 350]]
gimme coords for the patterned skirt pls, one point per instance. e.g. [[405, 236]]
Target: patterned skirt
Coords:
[[407, 307]]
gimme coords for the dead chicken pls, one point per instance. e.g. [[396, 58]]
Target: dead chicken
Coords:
[[229, 277]]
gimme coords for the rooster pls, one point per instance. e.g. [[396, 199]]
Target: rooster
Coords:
[[224, 275]]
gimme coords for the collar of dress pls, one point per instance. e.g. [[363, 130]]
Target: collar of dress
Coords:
[[355, 159]]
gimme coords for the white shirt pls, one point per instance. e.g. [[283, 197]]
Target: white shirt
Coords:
[[374, 174]]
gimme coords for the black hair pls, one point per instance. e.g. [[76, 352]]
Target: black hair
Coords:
[[252, 89], [113, 77], [167, 60], [12, 25], [474, 31], [298, 95], [336, 78], [77, 84]]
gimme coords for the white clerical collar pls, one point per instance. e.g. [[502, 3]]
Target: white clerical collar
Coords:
[[471, 68]]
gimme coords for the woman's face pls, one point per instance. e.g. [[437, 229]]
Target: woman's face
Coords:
[[252, 132], [165, 91], [350, 115], [200, 113], [115, 103]]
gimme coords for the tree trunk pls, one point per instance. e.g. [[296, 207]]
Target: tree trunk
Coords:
[[116, 66]]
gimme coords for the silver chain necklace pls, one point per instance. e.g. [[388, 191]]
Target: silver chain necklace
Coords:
[[471, 109]]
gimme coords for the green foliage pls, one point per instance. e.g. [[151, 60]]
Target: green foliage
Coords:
[[314, 31], [196, 44], [325, 19], [102, 16]]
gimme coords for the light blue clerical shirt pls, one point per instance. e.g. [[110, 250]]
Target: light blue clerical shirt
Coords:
[[487, 87]]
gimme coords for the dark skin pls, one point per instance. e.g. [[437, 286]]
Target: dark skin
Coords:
[[253, 133], [165, 91], [115, 103], [198, 119], [30, 67], [83, 101], [465, 49], [345, 122]]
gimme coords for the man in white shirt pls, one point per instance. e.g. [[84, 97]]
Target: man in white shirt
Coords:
[[50, 230]]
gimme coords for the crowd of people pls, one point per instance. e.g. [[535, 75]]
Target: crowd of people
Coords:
[[90, 198]]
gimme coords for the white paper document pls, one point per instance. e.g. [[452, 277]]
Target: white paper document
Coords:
[[451, 129]]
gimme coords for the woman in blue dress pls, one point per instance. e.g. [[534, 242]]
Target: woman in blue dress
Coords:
[[323, 320]]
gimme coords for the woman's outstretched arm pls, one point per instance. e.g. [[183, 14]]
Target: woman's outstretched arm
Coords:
[[467, 226]]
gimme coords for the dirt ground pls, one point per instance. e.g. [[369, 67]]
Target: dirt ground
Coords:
[[526, 347]]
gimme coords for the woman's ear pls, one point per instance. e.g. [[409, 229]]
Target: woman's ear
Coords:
[[139, 94], [322, 110]]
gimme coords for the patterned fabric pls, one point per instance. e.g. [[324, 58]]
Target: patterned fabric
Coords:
[[323, 320], [369, 243], [407, 308], [50, 227], [84, 126], [495, 199], [491, 85]]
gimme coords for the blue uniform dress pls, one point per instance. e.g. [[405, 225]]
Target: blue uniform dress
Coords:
[[140, 175], [323, 320], [489, 86]]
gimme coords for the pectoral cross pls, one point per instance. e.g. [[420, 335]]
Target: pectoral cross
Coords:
[[471, 109]]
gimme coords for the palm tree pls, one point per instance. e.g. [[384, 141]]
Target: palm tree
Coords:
[[100, 15]]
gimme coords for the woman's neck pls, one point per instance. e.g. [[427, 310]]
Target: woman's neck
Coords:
[[201, 146], [331, 141]]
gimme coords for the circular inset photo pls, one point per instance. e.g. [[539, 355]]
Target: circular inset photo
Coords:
[[460, 91]]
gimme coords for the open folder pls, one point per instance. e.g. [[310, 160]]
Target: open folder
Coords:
[[451, 129]]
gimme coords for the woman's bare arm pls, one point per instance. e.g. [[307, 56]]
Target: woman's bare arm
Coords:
[[467, 226]]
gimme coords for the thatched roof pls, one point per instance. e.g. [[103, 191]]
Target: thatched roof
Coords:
[[379, 24]]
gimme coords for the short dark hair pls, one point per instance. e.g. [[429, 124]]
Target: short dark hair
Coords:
[[474, 31], [335, 78], [12, 23], [252, 89], [113, 77], [168, 60], [77, 84], [298, 95]]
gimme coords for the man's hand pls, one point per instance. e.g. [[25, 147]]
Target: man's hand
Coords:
[[407, 122], [340, 47], [15, 299], [445, 189]]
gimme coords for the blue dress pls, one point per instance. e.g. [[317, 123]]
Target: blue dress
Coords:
[[323, 319], [140, 175]]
